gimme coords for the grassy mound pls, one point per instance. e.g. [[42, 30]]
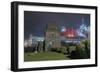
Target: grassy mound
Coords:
[[44, 56]]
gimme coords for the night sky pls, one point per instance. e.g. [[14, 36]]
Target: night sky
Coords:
[[35, 22]]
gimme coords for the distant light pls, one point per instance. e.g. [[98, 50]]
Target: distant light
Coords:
[[63, 29]]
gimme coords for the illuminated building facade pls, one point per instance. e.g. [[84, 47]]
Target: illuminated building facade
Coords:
[[52, 37]]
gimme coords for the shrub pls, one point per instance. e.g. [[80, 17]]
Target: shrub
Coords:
[[81, 50], [64, 50], [53, 49]]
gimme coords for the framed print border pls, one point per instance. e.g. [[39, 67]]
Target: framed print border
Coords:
[[15, 35]]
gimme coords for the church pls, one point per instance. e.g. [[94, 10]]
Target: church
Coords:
[[52, 37]]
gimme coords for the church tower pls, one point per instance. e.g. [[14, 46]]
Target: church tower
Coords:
[[52, 37]]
